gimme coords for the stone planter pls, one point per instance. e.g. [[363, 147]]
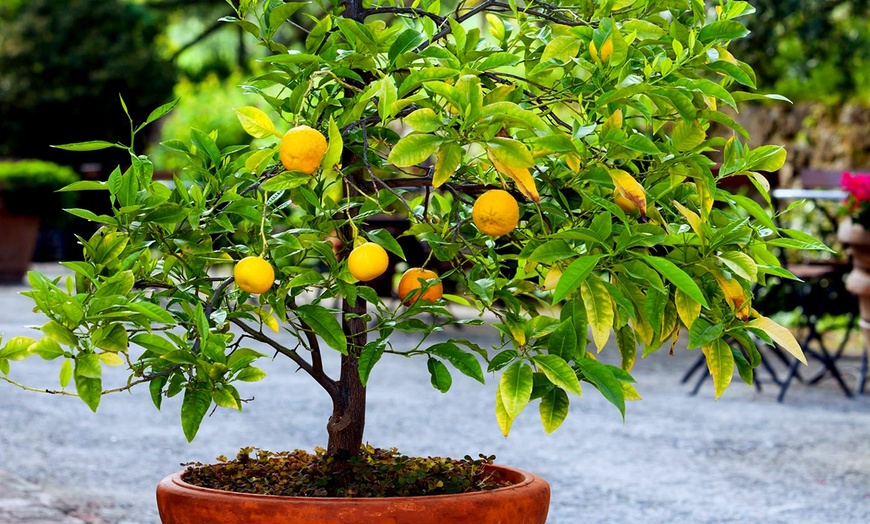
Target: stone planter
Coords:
[[524, 502], [18, 234]]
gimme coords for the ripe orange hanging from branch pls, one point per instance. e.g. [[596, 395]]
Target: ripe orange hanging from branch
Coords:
[[302, 149], [254, 275], [413, 280], [495, 213], [368, 261]]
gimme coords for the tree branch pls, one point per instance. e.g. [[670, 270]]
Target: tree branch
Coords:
[[318, 375], [403, 11], [483, 6]]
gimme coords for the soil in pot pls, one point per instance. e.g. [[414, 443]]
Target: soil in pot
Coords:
[[377, 487]]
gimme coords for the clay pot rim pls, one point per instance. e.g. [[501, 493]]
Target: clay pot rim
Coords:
[[174, 480]]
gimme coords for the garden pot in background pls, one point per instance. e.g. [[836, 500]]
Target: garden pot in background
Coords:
[[524, 502], [18, 234]]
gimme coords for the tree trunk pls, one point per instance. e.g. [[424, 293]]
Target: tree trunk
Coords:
[[348, 420]]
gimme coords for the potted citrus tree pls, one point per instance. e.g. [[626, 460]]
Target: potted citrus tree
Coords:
[[554, 163], [28, 198]]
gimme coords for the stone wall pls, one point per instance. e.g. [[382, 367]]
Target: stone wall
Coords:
[[815, 135]]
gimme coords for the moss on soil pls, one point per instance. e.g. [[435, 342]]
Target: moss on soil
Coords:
[[373, 473]]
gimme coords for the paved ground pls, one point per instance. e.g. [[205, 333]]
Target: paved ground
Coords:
[[676, 458]]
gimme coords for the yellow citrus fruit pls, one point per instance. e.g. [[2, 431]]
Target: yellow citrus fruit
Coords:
[[254, 275], [302, 149], [624, 203], [413, 279], [368, 261], [495, 213]]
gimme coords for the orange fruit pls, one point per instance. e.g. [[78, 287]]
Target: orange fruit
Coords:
[[413, 279], [302, 149], [368, 261], [254, 275], [495, 213]]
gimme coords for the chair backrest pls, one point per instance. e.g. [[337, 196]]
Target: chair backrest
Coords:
[[812, 178]]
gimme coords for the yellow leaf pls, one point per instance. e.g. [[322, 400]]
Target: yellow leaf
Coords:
[[268, 320], [720, 363], [593, 51], [780, 335], [520, 175], [691, 217], [607, 49], [599, 309], [573, 161], [552, 278], [614, 121], [630, 189], [256, 123], [259, 160], [735, 295], [111, 359], [688, 308], [501, 415]]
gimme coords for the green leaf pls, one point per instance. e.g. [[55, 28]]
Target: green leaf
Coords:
[[413, 149], [602, 376], [678, 277], [92, 145], [224, 398], [419, 76], [87, 373], [514, 115], [386, 240], [160, 111], [720, 363], [703, 333], [553, 409], [66, 372], [332, 158], [496, 60], [722, 30], [733, 71], [286, 180], [292, 57], [197, 400], [766, 158], [406, 41], [439, 375], [561, 48], [423, 120], [447, 160], [563, 341], [154, 343], [466, 363], [552, 251], [559, 372], [687, 135], [324, 324], [574, 275], [113, 339], [369, 356], [48, 348], [251, 374], [515, 388], [256, 123], [154, 313]]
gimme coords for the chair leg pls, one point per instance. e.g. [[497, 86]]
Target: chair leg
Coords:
[[697, 365], [862, 377]]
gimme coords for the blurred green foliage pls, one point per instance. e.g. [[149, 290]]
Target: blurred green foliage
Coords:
[[810, 50], [196, 110], [63, 61], [30, 187]]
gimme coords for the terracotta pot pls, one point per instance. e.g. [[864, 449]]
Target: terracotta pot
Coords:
[[18, 234], [526, 501], [857, 242]]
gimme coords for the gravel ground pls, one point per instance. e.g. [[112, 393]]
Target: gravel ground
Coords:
[[676, 458]]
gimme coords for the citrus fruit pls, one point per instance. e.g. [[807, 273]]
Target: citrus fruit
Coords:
[[368, 261], [302, 149], [254, 275], [624, 203], [495, 213], [413, 279]]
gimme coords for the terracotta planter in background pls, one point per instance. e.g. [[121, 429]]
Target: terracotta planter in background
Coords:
[[526, 501], [18, 234]]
